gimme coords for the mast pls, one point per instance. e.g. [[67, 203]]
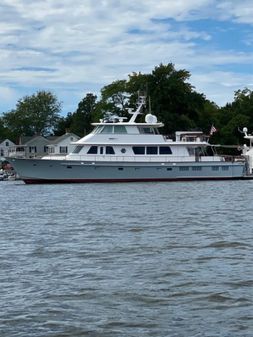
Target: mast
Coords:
[[140, 103]]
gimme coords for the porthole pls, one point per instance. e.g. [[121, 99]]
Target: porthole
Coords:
[[123, 150]]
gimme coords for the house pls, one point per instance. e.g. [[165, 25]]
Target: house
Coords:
[[5, 146], [63, 145], [39, 146], [30, 147]]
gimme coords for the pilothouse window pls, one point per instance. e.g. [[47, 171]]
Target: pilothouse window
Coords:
[[120, 129], [146, 130], [116, 129], [93, 150], [97, 129], [107, 129]]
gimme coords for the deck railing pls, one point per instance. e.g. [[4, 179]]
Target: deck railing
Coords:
[[148, 159]]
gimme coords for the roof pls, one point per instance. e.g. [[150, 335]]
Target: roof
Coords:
[[6, 140], [24, 140], [63, 137]]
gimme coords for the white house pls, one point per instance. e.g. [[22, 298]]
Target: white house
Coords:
[[39, 146], [63, 145], [30, 147], [5, 145]]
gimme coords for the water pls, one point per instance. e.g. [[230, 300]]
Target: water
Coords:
[[154, 259]]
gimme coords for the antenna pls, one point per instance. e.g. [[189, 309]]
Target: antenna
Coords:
[[149, 105]]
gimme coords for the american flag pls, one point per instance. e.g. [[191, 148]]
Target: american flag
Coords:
[[213, 130]]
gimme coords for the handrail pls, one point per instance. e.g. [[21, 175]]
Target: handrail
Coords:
[[146, 158], [137, 158]]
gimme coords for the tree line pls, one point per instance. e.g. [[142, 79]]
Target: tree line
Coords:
[[172, 99]]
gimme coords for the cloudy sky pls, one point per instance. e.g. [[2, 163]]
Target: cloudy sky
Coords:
[[72, 47]]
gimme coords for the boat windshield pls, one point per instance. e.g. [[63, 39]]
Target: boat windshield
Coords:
[[148, 130], [109, 129]]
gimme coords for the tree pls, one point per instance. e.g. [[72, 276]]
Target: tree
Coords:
[[4, 132], [36, 114], [234, 116], [64, 124], [173, 99], [114, 98], [85, 114]]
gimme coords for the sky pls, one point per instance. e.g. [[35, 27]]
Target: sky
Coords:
[[73, 47]]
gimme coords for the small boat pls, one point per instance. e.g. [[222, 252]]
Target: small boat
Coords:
[[128, 151]]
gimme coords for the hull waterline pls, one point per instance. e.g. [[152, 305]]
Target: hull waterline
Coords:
[[89, 181]]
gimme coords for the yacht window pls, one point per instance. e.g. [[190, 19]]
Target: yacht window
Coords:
[[139, 149], [107, 129], [165, 150], [101, 150], [78, 148], [215, 168], [196, 168], [152, 150], [109, 150], [98, 129], [93, 150], [120, 129], [146, 130], [184, 168]]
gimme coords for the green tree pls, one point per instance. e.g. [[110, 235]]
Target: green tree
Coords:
[[234, 116], [85, 114], [5, 133], [173, 99], [63, 124], [35, 114], [114, 98]]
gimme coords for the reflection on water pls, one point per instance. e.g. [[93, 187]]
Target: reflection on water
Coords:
[[156, 259]]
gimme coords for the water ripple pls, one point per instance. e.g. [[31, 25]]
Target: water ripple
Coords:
[[111, 260]]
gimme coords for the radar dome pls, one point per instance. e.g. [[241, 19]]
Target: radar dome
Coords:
[[150, 119]]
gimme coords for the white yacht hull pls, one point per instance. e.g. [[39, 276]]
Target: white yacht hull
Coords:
[[67, 171]]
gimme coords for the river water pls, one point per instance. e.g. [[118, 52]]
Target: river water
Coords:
[[138, 259]]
